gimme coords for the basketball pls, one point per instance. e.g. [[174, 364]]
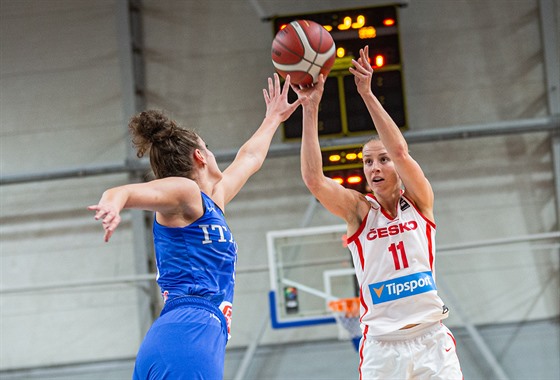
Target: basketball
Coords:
[[303, 49]]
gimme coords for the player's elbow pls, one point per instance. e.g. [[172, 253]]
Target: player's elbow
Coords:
[[313, 182], [400, 153], [251, 161], [254, 166]]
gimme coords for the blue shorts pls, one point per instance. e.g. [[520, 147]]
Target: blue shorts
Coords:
[[187, 341]]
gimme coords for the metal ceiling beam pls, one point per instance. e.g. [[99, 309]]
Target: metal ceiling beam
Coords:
[[133, 165]]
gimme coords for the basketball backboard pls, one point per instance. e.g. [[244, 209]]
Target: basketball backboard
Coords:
[[308, 268]]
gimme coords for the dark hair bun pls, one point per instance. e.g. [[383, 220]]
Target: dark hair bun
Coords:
[[149, 128]]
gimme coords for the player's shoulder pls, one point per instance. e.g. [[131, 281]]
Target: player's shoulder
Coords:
[[363, 205], [182, 189], [370, 201], [409, 204], [176, 180]]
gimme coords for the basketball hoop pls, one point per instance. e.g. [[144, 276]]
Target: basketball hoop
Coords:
[[346, 311]]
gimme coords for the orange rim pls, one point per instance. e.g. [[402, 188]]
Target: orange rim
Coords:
[[349, 306]]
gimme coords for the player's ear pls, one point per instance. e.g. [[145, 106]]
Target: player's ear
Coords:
[[199, 156]]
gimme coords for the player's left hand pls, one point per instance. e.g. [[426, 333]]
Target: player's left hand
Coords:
[[362, 72], [276, 98]]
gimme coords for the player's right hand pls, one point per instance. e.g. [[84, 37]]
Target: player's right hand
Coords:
[[110, 218]]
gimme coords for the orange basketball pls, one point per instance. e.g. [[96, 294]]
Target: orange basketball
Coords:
[[303, 49]]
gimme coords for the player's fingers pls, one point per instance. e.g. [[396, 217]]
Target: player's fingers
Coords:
[[111, 226], [358, 70], [353, 70], [286, 87], [100, 214], [321, 81], [364, 56], [358, 63], [270, 87], [109, 217], [277, 86]]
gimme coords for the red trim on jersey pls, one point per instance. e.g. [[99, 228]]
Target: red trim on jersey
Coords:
[[356, 234], [362, 352], [422, 215], [360, 253], [383, 211], [355, 239], [430, 238], [364, 305], [453, 339], [430, 226]]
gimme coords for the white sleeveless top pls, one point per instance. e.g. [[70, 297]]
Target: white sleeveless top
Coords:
[[394, 263]]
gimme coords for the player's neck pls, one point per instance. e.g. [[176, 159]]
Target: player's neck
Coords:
[[389, 203]]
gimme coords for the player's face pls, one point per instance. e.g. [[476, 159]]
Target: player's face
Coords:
[[379, 170]]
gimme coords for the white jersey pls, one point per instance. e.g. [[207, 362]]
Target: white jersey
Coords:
[[394, 263]]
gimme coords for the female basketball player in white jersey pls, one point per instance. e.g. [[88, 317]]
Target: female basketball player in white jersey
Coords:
[[194, 247], [391, 237]]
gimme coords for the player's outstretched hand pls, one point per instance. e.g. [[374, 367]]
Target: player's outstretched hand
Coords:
[[362, 72], [110, 218], [311, 95], [276, 98]]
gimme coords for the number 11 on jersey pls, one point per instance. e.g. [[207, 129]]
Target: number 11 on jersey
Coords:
[[398, 250]]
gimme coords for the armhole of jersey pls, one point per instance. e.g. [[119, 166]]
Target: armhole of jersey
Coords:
[[356, 234], [204, 209], [203, 199], [206, 198], [432, 224]]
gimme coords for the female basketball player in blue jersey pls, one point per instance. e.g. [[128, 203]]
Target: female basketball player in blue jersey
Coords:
[[194, 247], [391, 237]]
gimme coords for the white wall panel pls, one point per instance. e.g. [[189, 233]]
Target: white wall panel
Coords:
[[51, 248], [69, 326], [469, 62], [60, 83]]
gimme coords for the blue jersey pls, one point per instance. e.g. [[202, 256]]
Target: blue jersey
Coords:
[[198, 260]]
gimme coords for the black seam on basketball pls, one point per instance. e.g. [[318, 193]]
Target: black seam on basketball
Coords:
[[297, 55]]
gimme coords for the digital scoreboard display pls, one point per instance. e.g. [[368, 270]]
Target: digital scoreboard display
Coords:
[[342, 112]]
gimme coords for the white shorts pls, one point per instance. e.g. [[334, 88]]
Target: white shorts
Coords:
[[426, 351]]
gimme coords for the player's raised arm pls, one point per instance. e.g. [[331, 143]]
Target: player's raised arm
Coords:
[[160, 195], [418, 189], [252, 154], [345, 203]]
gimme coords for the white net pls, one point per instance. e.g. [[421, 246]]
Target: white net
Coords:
[[346, 311]]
